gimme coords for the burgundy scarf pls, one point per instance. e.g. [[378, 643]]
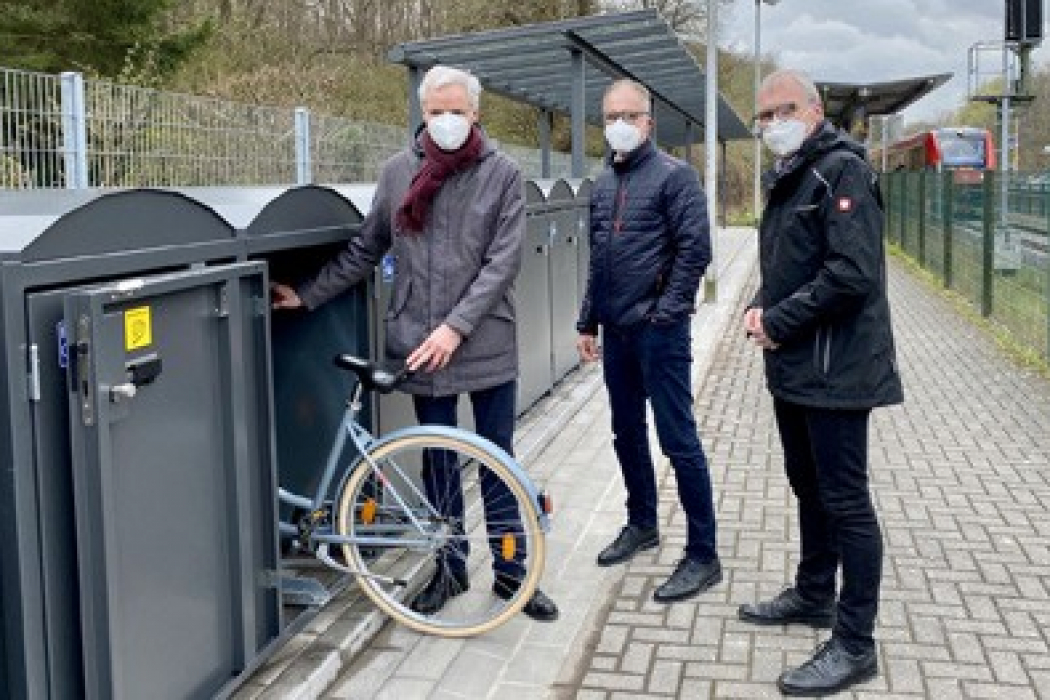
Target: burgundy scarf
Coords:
[[437, 166]]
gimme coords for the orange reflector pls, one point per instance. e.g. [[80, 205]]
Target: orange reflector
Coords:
[[368, 511], [546, 503], [509, 545]]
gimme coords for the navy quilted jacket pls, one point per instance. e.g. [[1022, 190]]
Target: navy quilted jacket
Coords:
[[650, 241]]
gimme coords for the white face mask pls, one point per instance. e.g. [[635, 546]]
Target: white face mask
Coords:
[[623, 137], [784, 136], [449, 130]]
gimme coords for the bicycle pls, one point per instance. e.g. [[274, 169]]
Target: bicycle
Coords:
[[421, 502]]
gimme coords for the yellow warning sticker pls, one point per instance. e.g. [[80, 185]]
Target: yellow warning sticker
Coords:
[[138, 328]]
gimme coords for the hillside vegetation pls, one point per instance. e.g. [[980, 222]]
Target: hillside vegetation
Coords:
[[330, 56]]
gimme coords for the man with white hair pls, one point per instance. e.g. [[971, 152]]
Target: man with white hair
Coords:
[[822, 318], [450, 213]]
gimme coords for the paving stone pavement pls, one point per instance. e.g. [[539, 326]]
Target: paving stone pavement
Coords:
[[349, 651], [960, 478]]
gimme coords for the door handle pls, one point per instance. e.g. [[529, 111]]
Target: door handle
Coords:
[[122, 392]]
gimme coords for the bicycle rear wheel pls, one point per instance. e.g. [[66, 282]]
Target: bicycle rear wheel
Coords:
[[442, 510]]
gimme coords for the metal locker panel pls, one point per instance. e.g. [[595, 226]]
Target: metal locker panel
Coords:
[[253, 424], [564, 308], [59, 594], [163, 488], [583, 213], [564, 282], [310, 392], [533, 308]]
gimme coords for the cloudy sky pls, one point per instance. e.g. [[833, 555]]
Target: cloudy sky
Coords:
[[878, 40]]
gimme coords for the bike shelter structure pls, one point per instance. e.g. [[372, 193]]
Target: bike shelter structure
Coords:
[[137, 503], [151, 404]]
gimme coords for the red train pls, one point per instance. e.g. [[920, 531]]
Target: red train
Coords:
[[965, 150]]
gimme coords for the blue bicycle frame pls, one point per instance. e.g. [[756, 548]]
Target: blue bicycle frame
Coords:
[[365, 443]]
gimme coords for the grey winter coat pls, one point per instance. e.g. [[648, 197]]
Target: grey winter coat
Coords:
[[459, 270]]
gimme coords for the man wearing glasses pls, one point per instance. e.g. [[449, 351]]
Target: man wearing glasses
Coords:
[[650, 245], [822, 319]]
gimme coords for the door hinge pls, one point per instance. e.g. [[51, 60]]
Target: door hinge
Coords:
[[34, 373]]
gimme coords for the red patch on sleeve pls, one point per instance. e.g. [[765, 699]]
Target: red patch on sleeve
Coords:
[[845, 204]]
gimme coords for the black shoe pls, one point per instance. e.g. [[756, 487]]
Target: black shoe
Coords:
[[831, 669], [632, 539], [789, 607], [540, 607], [444, 585], [690, 577]]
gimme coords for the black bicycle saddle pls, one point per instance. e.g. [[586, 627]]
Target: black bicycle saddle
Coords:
[[373, 376]]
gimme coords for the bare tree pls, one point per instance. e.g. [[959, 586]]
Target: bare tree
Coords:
[[687, 18]]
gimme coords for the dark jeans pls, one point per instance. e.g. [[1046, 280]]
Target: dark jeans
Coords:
[[826, 459], [650, 360], [493, 420]]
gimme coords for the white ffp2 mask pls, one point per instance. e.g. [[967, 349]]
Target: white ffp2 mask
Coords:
[[784, 136], [449, 130], [623, 137]]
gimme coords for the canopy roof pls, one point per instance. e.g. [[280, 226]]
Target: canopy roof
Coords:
[[849, 104], [534, 64]]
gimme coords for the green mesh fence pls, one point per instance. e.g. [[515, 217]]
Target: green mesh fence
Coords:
[[986, 236]]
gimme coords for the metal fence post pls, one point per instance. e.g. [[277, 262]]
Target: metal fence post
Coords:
[[988, 246], [921, 251], [890, 193], [904, 212], [948, 187], [887, 207], [74, 130], [303, 164]]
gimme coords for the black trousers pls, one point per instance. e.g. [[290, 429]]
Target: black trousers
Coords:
[[826, 460], [494, 420]]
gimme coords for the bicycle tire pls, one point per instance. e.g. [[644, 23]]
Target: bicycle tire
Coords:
[[367, 509]]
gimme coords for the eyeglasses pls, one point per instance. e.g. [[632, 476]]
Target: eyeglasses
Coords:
[[612, 117], [779, 112]]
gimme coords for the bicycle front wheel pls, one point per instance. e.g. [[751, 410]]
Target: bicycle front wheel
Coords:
[[439, 512]]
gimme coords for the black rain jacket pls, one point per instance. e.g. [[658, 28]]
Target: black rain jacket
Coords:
[[650, 241], [823, 287]]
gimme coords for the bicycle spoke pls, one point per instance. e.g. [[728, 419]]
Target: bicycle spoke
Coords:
[[483, 550]]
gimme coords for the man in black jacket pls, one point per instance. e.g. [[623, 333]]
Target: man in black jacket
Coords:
[[822, 318], [650, 245]]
